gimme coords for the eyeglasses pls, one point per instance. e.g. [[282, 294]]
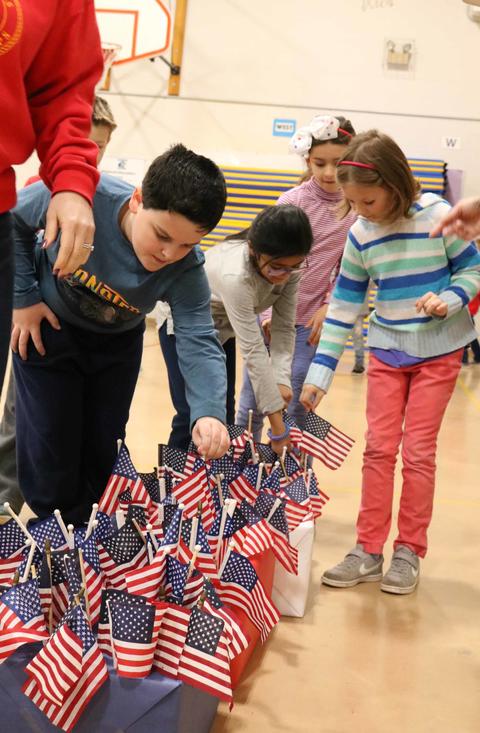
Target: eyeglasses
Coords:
[[283, 269]]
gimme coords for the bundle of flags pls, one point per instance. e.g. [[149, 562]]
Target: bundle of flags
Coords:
[[156, 578]]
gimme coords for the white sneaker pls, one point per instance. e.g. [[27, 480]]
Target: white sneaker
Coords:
[[357, 567]]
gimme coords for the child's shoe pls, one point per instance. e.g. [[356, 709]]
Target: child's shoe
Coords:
[[403, 573], [357, 567], [358, 368]]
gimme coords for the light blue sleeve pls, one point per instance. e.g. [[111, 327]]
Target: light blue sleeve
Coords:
[[200, 355], [28, 218]]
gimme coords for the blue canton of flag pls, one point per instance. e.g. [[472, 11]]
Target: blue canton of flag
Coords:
[[150, 481], [297, 491], [249, 512], [175, 578], [264, 503], [12, 539]]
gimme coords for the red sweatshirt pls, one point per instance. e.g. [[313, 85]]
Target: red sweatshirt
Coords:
[[50, 61]]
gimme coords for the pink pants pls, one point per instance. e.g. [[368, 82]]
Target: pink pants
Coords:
[[403, 405]]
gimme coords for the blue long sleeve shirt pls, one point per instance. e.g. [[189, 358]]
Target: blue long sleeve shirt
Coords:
[[113, 292]]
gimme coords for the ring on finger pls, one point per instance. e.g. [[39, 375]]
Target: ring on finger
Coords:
[[85, 245]]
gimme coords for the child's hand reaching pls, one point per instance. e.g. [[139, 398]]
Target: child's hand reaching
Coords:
[[311, 396], [211, 437], [432, 305]]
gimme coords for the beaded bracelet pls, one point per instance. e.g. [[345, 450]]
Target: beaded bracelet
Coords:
[[279, 437]]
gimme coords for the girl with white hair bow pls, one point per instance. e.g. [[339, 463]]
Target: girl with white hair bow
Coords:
[[321, 144]]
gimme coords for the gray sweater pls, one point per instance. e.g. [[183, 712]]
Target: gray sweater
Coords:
[[239, 294]]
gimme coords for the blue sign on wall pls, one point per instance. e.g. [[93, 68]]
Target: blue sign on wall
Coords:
[[284, 128]]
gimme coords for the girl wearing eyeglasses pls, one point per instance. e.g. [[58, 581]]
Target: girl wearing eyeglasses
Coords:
[[249, 272]]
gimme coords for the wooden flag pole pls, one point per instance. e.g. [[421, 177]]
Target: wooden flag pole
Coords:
[[61, 524], [91, 521], [71, 537], [26, 573], [259, 476], [84, 581], [191, 567], [177, 47]]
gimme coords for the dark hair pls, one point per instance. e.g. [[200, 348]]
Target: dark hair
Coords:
[[182, 182], [279, 231], [391, 171], [341, 138]]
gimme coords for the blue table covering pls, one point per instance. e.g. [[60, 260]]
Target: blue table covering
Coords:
[[152, 704]]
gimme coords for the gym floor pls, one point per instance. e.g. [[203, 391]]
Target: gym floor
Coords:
[[363, 660]]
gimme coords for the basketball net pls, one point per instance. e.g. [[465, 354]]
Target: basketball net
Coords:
[[110, 51]]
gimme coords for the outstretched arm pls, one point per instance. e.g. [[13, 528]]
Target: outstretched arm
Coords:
[[463, 220]]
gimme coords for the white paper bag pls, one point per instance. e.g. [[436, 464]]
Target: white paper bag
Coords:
[[290, 592]]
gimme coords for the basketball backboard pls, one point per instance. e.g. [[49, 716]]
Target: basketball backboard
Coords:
[[141, 27]]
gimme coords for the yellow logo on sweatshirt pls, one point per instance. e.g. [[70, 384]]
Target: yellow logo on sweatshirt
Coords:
[[11, 24]]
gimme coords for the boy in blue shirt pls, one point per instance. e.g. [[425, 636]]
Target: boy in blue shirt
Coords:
[[77, 341]]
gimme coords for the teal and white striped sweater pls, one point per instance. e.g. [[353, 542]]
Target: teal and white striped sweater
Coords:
[[404, 263]]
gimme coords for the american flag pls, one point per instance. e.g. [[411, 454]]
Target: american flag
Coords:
[[171, 640], [244, 486], [149, 580], [264, 503], [323, 441], [173, 533], [318, 498], [21, 618], [122, 478], [295, 432], [237, 639], [150, 481], [53, 587], [104, 528], [292, 467], [180, 588], [12, 546], [240, 586], [137, 512], [124, 550], [93, 576], [58, 665], [204, 561], [47, 529], [134, 637], [111, 595], [238, 437], [178, 462], [205, 661], [255, 537], [283, 550], [298, 507], [94, 674], [266, 453], [193, 490]]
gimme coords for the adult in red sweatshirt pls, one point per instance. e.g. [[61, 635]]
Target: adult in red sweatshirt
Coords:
[[50, 61]]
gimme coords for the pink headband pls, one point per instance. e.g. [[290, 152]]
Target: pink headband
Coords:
[[345, 132], [357, 165]]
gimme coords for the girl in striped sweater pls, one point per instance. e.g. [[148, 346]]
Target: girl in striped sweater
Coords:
[[417, 333]]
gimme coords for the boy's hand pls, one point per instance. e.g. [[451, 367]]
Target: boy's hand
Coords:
[[432, 305], [463, 220], [26, 325], [279, 445], [315, 324], [211, 437], [71, 213], [311, 396], [286, 393]]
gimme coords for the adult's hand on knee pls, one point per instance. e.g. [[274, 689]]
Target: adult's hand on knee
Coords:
[[211, 437], [26, 324], [72, 214]]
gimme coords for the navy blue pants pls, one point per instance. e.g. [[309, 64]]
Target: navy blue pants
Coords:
[[72, 406], [6, 289], [180, 434]]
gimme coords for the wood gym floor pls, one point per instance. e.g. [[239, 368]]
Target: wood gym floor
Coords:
[[362, 660]]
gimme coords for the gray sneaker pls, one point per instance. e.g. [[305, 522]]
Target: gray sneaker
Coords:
[[403, 573], [357, 567]]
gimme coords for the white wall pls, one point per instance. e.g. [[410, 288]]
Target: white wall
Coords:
[[246, 62]]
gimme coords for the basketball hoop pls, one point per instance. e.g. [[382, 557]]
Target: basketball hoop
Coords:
[[110, 51]]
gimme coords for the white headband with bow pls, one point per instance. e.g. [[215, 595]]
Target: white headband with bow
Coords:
[[322, 127]]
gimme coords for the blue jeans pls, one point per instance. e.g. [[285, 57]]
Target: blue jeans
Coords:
[[72, 405], [302, 357], [180, 434]]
